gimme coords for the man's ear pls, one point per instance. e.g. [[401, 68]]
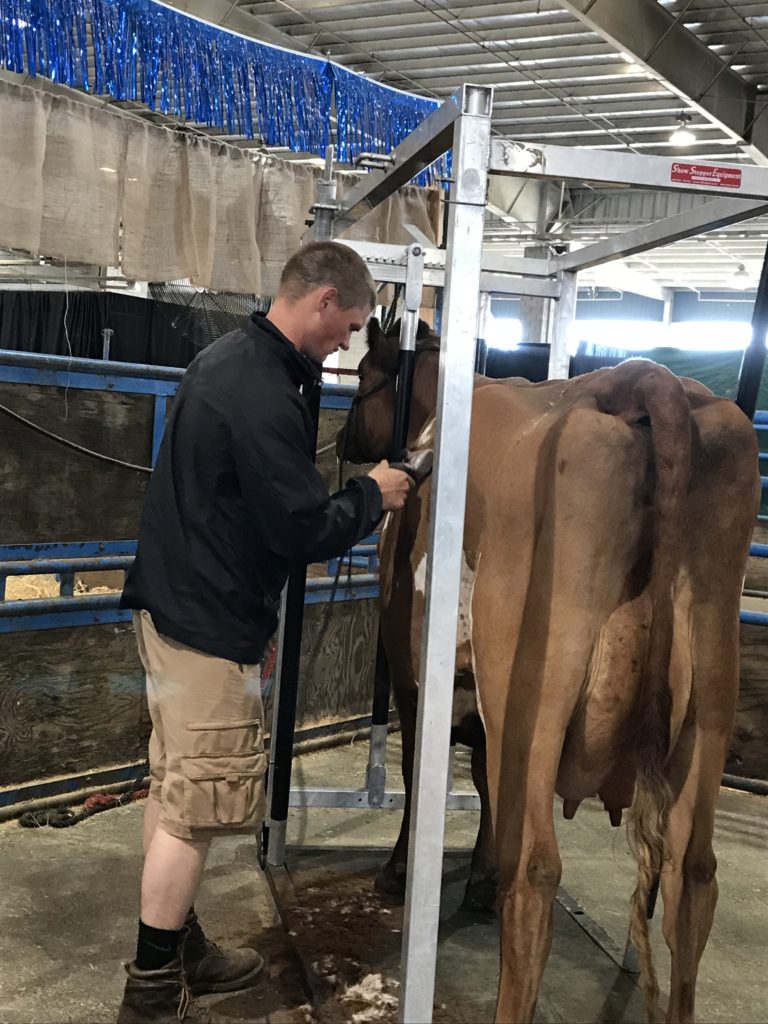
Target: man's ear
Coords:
[[327, 295]]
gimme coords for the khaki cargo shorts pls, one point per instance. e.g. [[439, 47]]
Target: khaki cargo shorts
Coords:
[[206, 752]]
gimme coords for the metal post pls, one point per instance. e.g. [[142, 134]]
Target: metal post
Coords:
[[273, 832], [559, 354], [376, 780], [753, 363], [66, 584], [287, 662], [444, 553], [158, 425], [483, 321], [377, 753], [106, 338], [325, 206], [284, 721], [408, 326]]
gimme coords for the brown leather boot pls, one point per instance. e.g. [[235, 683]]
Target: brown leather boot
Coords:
[[209, 968], [159, 997]]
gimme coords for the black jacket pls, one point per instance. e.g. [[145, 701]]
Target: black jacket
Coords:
[[235, 498]]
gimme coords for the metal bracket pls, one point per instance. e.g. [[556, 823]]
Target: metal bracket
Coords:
[[325, 206]]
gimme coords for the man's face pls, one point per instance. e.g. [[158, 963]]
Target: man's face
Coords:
[[332, 326]]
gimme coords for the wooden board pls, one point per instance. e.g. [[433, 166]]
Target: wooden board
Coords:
[[749, 746], [337, 661], [51, 493], [71, 700]]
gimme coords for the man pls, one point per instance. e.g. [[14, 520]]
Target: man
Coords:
[[235, 499]]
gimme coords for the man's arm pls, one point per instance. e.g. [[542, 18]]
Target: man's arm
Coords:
[[288, 500]]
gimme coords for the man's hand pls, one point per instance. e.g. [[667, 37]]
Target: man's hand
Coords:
[[393, 484]]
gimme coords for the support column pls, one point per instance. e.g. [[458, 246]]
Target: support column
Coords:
[[444, 552], [535, 312], [753, 363], [565, 311]]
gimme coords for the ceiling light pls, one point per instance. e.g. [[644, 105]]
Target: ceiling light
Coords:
[[682, 135]]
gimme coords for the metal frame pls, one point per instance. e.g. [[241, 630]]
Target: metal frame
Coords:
[[467, 115]]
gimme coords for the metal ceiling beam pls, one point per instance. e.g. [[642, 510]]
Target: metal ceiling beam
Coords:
[[624, 279], [565, 33], [530, 113], [606, 74], [466, 57], [708, 217], [229, 15], [607, 167], [514, 13], [596, 91], [661, 43]]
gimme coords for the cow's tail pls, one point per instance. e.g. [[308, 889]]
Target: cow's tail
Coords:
[[665, 403]]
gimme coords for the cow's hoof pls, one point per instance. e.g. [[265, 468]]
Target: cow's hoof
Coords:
[[391, 882], [480, 895]]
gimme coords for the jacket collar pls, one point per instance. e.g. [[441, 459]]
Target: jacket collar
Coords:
[[301, 369]]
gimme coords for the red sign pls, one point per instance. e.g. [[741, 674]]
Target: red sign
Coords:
[[705, 174]]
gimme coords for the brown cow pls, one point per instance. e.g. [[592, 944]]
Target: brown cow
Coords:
[[607, 529]]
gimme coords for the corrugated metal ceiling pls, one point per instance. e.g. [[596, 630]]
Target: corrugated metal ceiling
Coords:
[[554, 79]]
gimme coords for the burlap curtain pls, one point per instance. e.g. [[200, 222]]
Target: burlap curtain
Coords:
[[89, 184]]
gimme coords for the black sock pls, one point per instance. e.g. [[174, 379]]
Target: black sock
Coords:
[[156, 947]]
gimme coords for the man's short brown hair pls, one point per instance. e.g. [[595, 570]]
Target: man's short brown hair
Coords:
[[329, 264]]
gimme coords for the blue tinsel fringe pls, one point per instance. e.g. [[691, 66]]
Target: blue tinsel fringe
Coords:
[[187, 68]]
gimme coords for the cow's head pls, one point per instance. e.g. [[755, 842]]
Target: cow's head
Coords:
[[367, 434]]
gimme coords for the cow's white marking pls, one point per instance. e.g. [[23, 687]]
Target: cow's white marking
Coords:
[[474, 660], [466, 586], [464, 701], [427, 435], [420, 576]]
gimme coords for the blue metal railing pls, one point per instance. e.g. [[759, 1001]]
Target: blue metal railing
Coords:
[[66, 560]]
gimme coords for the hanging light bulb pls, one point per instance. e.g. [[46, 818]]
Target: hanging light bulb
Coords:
[[682, 135]]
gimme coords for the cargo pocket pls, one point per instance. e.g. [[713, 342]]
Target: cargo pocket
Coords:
[[232, 736], [226, 790]]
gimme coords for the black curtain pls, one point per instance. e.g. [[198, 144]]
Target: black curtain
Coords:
[[171, 334], [145, 331]]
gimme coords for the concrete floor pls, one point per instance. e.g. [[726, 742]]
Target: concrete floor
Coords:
[[68, 907]]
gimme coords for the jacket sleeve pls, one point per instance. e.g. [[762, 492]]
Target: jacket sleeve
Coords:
[[286, 497]]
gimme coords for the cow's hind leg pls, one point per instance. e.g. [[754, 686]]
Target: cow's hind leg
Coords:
[[525, 727], [481, 888], [529, 875], [391, 878], [721, 515], [688, 882]]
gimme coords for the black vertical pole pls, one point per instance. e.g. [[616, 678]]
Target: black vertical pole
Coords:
[[404, 392], [405, 367], [753, 363], [481, 355], [381, 680], [290, 658]]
